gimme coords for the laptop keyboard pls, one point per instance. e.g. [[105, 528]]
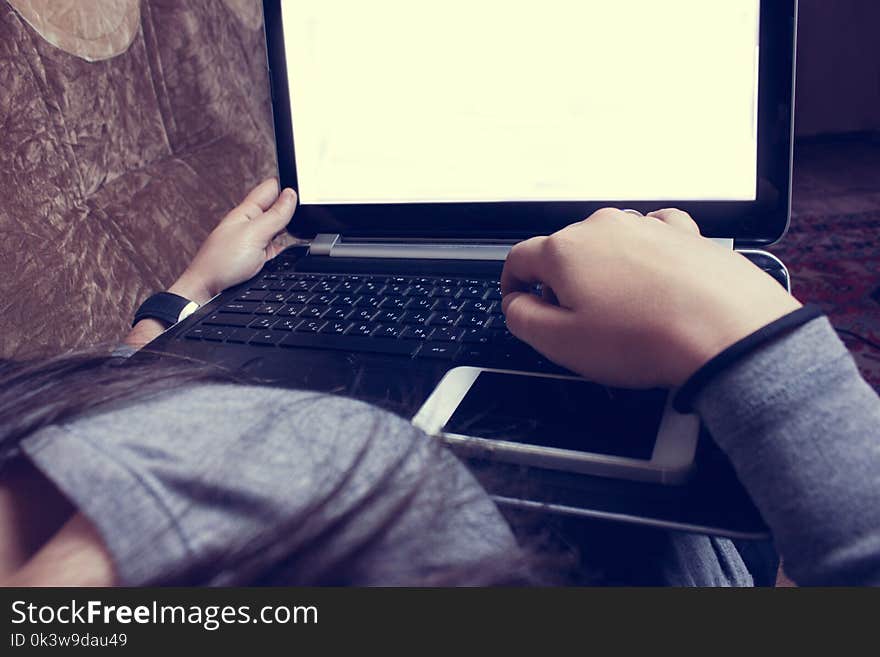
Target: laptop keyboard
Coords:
[[452, 319]]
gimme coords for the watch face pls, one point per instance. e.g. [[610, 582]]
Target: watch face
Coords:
[[188, 310]]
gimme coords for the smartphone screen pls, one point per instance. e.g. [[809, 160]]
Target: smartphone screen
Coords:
[[561, 413]]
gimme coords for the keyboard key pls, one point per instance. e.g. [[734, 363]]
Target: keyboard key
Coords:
[[227, 319], [445, 334], [336, 328], [417, 291], [389, 303], [267, 309], [414, 333], [439, 351], [472, 292], [472, 353], [369, 301], [266, 337], [337, 313], [419, 303], [251, 295], [444, 291], [473, 321], [350, 300], [476, 336], [493, 295], [309, 326], [387, 331], [257, 286], [394, 289], [322, 299], [276, 297], [448, 304], [498, 321], [362, 315], [240, 307], [324, 286], [262, 323], [417, 317], [312, 312], [443, 319], [361, 328], [388, 316], [301, 286], [197, 333], [369, 287], [299, 297], [288, 324], [290, 310], [279, 286], [349, 342], [477, 306], [218, 333]]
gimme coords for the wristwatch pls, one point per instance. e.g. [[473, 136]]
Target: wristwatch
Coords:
[[165, 307]]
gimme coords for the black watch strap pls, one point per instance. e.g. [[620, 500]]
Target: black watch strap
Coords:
[[165, 307]]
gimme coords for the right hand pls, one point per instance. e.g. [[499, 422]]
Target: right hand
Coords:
[[635, 301]]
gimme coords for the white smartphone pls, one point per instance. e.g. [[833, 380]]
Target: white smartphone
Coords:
[[562, 423]]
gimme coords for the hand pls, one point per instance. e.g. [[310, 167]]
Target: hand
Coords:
[[240, 245], [635, 301]]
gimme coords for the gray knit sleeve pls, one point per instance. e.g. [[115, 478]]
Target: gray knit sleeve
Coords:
[[802, 429]]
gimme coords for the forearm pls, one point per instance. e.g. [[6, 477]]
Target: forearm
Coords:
[[188, 286], [802, 430]]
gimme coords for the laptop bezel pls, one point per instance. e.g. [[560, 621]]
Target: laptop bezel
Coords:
[[755, 223]]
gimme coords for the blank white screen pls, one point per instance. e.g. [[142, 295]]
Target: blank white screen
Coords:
[[401, 101]]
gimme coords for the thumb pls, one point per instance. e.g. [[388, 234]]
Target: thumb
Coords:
[[276, 218], [544, 326]]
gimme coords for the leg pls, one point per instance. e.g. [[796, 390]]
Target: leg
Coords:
[[31, 511], [75, 556]]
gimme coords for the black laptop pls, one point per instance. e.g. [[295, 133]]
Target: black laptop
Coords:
[[425, 140]]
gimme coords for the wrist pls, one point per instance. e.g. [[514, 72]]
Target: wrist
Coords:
[[739, 350], [705, 340], [193, 287]]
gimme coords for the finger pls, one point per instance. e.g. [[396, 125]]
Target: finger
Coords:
[[523, 266], [677, 219], [538, 323], [259, 199], [276, 218], [549, 295], [280, 242]]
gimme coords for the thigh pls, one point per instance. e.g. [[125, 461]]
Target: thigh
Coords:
[[32, 509]]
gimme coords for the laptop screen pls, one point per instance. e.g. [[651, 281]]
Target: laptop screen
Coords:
[[395, 101]]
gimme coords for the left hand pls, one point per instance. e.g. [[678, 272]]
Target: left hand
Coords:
[[240, 245]]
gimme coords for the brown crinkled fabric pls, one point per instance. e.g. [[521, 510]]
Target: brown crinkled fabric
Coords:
[[112, 172]]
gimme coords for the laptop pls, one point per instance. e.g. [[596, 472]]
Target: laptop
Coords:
[[426, 140]]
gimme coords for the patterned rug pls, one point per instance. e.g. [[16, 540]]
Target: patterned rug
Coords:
[[832, 248]]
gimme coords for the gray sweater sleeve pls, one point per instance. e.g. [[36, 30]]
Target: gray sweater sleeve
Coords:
[[802, 429]]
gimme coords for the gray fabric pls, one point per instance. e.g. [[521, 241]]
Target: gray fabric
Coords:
[[802, 429], [177, 477]]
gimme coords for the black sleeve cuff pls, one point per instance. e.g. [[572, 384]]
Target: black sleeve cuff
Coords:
[[684, 399]]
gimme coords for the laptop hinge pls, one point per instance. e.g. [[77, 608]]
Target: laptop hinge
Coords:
[[335, 246], [332, 244]]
